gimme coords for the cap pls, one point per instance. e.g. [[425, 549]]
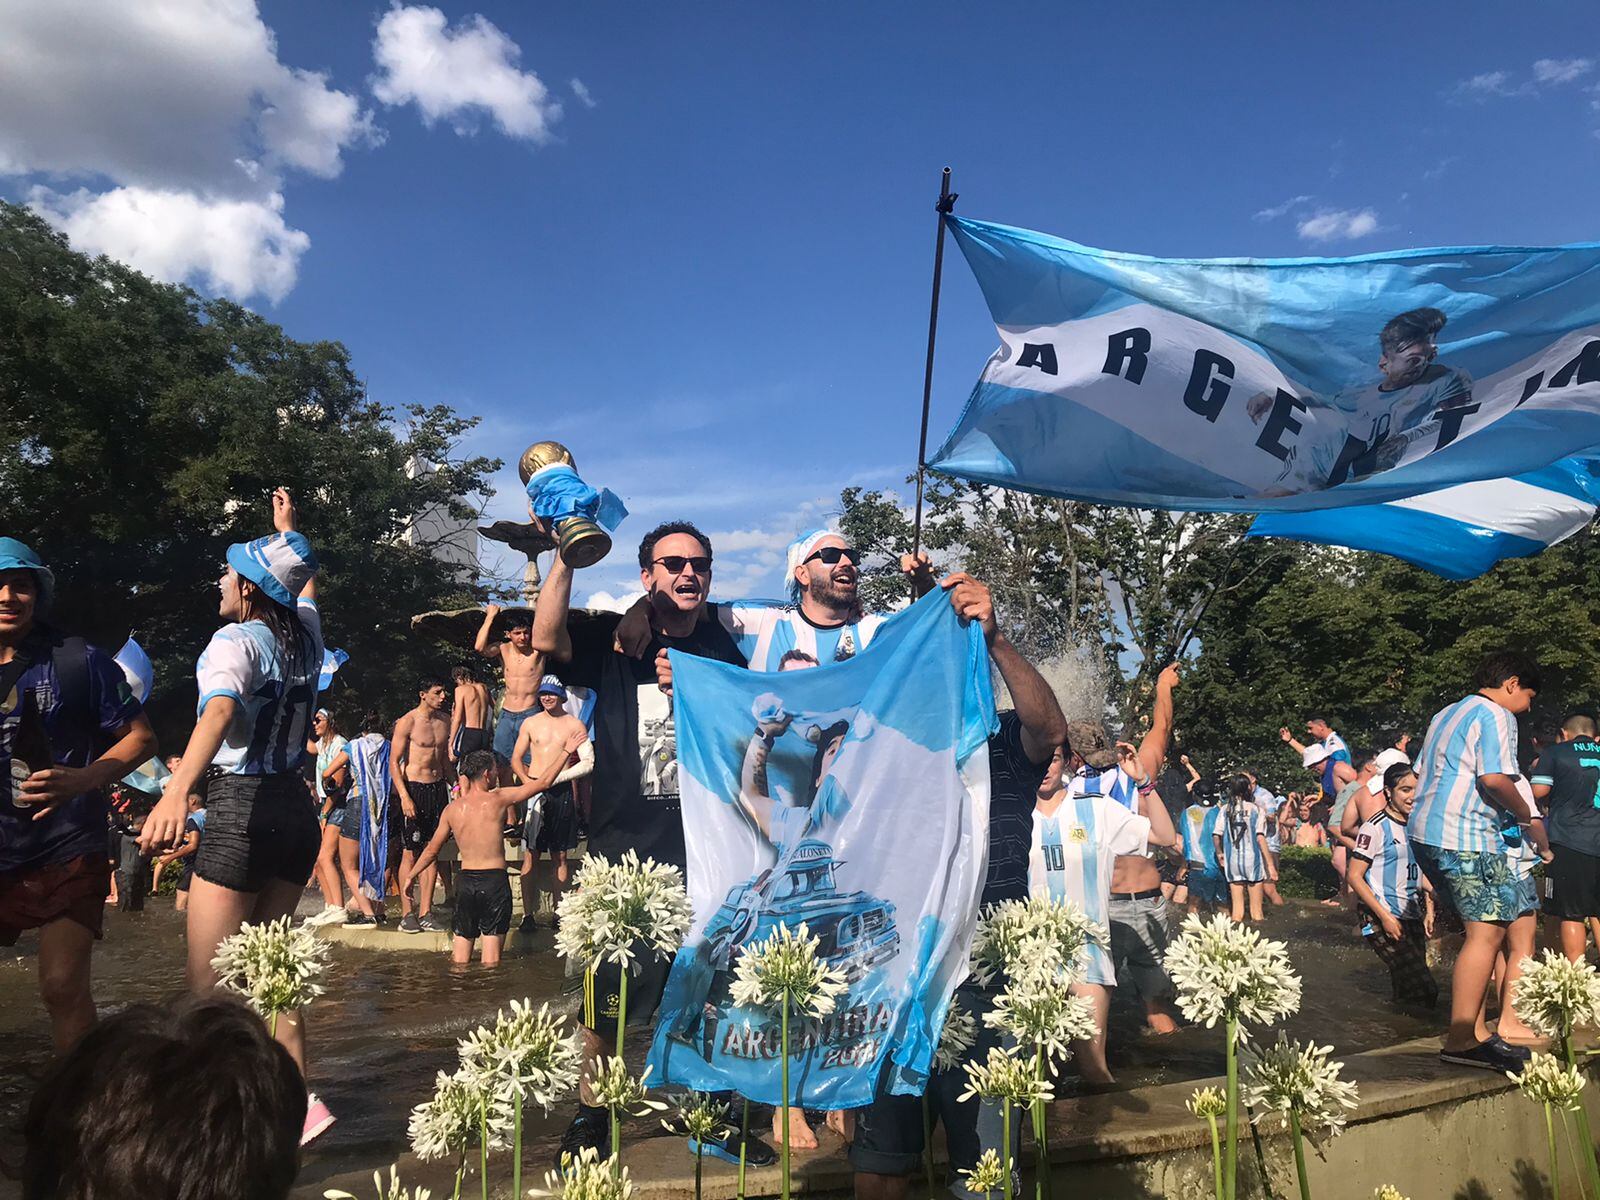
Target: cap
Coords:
[[15, 556], [1090, 742], [551, 686], [799, 550], [1314, 754], [280, 565], [1381, 763]]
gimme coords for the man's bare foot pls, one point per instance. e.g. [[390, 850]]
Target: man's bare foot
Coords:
[[1330, 904], [843, 1122], [801, 1135], [1514, 1031], [1160, 1022]]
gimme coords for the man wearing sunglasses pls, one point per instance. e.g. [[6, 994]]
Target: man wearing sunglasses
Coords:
[[823, 618], [635, 796]]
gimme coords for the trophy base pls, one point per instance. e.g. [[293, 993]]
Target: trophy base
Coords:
[[582, 543]]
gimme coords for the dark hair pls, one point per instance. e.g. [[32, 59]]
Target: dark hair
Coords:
[[790, 656], [476, 762], [190, 1101], [647, 548], [1417, 325], [837, 730], [372, 722], [333, 721], [1500, 665], [461, 673], [1581, 723], [1240, 788], [516, 618], [1323, 719], [427, 683], [294, 640], [1394, 773]]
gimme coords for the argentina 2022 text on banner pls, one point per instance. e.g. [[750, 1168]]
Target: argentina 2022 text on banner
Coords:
[[796, 811], [1275, 385]]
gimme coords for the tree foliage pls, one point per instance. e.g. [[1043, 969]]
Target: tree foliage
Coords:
[[142, 428]]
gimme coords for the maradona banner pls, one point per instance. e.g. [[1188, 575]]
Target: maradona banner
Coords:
[[1249, 385], [853, 798]]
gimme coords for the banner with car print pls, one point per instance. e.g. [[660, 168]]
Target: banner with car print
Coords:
[[852, 798], [1275, 385]]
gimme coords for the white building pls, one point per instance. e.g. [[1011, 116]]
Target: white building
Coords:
[[451, 539]]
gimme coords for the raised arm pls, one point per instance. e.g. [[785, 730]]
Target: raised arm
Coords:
[[1153, 750], [285, 519], [585, 763], [1291, 741], [550, 613], [1194, 776], [754, 796], [481, 643]]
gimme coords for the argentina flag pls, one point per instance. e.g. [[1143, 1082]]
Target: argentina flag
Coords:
[[1458, 532], [1260, 385], [136, 668], [332, 660], [852, 798]]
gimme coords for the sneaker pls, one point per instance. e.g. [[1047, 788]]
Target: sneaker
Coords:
[[1505, 1047], [528, 924], [587, 1131], [358, 918], [756, 1152], [333, 914], [428, 925], [1492, 1055], [318, 1119], [410, 924]]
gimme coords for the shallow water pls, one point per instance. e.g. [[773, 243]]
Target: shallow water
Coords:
[[390, 1021]]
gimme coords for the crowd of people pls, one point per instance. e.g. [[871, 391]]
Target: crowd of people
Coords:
[[581, 751]]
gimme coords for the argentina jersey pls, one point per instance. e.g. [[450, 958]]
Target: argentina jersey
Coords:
[[1469, 738], [1240, 826], [1199, 826], [1114, 783], [1392, 873], [275, 696], [765, 633], [1073, 853]]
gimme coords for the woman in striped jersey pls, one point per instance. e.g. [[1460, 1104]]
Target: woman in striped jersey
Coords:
[[1241, 841], [1385, 878]]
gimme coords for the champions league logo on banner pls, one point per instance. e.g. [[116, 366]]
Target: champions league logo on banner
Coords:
[[796, 811], [1242, 385]]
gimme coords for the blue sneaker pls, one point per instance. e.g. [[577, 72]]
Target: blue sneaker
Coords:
[[756, 1152]]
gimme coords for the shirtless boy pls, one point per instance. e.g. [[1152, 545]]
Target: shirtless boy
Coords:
[[477, 820], [469, 715], [552, 824], [522, 666], [419, 768]]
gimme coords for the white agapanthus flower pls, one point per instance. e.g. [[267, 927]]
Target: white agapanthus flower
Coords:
[[525, 1053], [1005, 1076], [1549, 1080], [617, 911], [1222, 969], [447, 1125], [275, 965], [785, 966], [987, 1175], [1291, 1077], [1041, 1014], [1554, 994], [586, 1177], [614, 1087], [395, 1191], [700, 1117], [1387, 1191], [1207, 1103], [1037, 932], [956, 1038]]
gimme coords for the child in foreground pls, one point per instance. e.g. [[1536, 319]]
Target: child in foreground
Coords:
[[476, 818], [1384, 877]]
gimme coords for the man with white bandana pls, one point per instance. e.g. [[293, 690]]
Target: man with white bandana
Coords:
[[823, 618]]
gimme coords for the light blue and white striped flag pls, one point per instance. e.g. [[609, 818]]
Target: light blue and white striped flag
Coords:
[[332, 660], [1275, 385], [1460, 531], [135, 664]]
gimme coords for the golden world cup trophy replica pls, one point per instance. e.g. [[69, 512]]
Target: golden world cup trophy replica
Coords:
[[579, 516]]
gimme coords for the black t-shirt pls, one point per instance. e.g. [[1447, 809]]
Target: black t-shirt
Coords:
[[635, 794], [1013, 792], [1572, 771]]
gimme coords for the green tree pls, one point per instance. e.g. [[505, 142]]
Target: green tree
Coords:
[[142, 428]]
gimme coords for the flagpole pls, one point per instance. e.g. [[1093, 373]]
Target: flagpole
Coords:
[[947, 203]]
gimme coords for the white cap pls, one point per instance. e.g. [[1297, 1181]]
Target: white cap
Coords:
[[1380, 764], [1313, 754]]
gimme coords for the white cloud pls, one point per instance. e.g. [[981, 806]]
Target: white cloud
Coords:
[[1560, 70], [1490, 83], [1335, 224], [1283, 210], [234, 247], [581, 91], [181, 116], [456, 74], [607, 602]]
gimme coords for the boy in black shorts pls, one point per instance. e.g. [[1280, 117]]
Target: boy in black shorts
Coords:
[[1566, 781]]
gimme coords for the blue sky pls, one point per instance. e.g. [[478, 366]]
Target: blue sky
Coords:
[[708, 274]]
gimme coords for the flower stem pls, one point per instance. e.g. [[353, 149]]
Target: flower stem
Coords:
[[699, 1161], [1300, 1155], [516, 1144], [272, 1025], [1216, 1154], [616, 1116], [927, 1144], [588, 996], [787, 1098], [483, 1152], [1230, 1161], [1580, 1119], [744, 1138], [1042, 1184], [1555, 1160], [1005, 1144]]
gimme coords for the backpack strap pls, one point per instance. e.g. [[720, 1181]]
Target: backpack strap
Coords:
[[70, 658]]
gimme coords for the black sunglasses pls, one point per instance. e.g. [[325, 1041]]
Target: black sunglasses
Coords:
[[676, 562], [832, 554]]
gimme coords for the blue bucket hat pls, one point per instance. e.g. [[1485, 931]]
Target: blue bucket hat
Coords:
[[551, 686], [14, 556], [280, 565]]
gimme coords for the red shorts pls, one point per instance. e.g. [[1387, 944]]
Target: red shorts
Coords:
[[75, 889]]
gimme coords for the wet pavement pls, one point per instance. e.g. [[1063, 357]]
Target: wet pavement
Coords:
[[390, 1021]]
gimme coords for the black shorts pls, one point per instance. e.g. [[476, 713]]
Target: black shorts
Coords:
[[483, 904], [558, 822], [1574, 879], [430, 800], [468, 740], [644, 992], [259, 828]]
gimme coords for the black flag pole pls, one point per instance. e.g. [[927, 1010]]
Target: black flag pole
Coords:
[[947, 203]]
